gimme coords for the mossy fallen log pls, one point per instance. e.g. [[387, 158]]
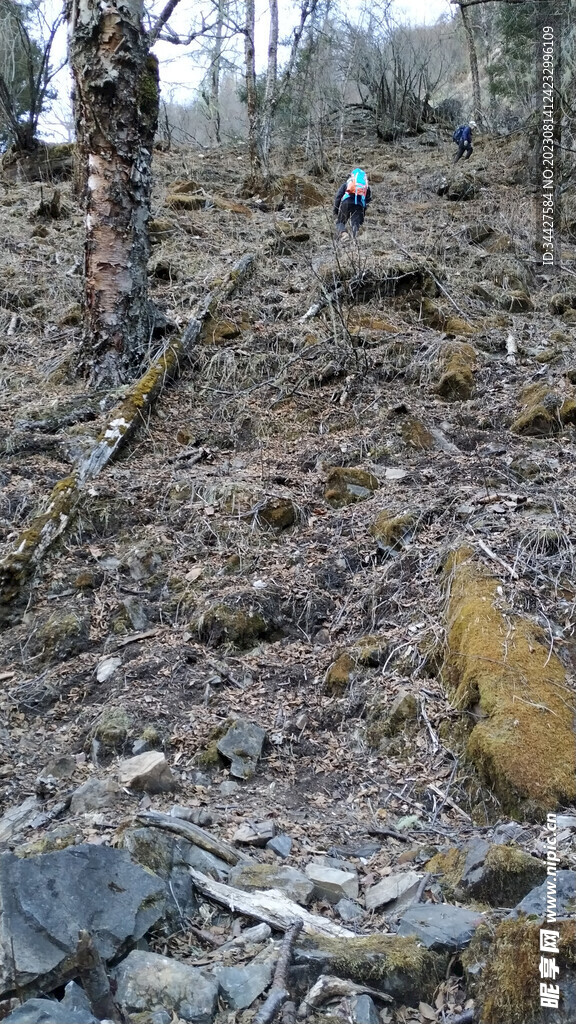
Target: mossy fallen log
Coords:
[[19, 563], [524, 746]]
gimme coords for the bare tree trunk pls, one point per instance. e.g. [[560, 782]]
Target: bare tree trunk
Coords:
[[271, 93], [116, 89], [251, 95], [215, 71], [472, 56]]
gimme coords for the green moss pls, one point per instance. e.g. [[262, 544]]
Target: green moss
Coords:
[[399, 965], [346, 485], [112, 728], [149, 90], [225, 624], [279, 513], [525, 745], [450, 865], [209, 757], [538, 417], [338, 675], [391, 531], [457, 381], [508, 991], [369, 650]]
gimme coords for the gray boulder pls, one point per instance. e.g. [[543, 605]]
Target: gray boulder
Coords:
[[363, 1010], [564, 898], [242, 746], [74, 1008], [240, 986], [148, 981], [440, 926], [46, 900]]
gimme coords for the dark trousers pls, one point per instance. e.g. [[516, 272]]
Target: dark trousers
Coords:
[[464, 147], [350, 210]]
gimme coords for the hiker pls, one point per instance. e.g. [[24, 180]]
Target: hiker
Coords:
[[350, 202], [463, 136]]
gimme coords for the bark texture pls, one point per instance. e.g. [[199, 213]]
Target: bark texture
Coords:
[[116, 110]]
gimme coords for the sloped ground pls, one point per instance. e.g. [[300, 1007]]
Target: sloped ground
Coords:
[[212, 559]]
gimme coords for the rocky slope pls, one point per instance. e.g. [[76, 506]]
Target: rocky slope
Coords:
[[330, 584]]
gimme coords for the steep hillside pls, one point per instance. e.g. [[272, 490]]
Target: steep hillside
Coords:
[[351, 522]]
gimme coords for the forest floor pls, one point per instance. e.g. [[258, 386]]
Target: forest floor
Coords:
[[212, 559]]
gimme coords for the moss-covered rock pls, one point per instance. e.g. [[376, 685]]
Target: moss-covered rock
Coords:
[[196, 201], [562, 301], [457, 381], [60, 634], [391, 531], [112, 728], [369, 650], [71, 317], [394, 964], [416, 434], [539, 414], [499, 875], [224, 623], [508, 989], [339, 674], [279, 513], [443, 319], [345, 485], [516, 301], [220, 331], [295, 189], [524, 746], [160, 228]]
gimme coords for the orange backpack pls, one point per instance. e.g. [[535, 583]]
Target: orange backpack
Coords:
[[357, 185]]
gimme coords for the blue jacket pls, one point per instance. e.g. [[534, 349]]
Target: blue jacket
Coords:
[[466, 134]]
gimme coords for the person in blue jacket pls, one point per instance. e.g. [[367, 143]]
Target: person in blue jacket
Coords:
[[350, 202], [463, 136]]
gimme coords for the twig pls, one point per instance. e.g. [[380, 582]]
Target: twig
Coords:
[[496, 558], [95, 980], [433, 736], [422, 887], [448, 800], [279, 994]]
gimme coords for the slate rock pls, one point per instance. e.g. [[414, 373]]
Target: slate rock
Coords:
[[252, 877], [148, 981], [363, 1010], [240, 986], [391, 888], [170, 857], [94, 795], [242, 746], [255, 833], [331, 884], [74, 1008], [440, 926], [280, 845], [46, 900], [565, 897], [348, 911], [149, 773]]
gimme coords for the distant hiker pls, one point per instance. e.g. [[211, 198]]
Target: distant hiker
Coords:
[[350, 202], [463, 136]]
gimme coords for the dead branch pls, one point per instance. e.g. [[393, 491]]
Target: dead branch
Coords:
[[26, 553], [95, 980], [279, 993], [193, 833], [269, 905], [330, 987]]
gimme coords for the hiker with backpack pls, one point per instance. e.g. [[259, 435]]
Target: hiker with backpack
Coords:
[[350, 202], [463, 137]]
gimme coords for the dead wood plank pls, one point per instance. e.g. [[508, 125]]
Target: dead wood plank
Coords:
[[194, 834], [19, 562], [269, 905]]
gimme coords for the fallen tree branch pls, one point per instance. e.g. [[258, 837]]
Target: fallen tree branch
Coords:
[[279, 994], [269, 905], [94, 980], [193, 833], [18, 564], [330, 987]]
